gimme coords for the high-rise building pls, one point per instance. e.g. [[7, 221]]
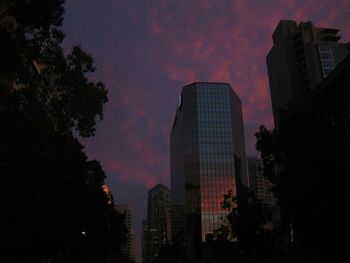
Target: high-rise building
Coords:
[[258, 183], [133, 245], [207, 160], [261, 186], [158, 220], [322, 138], [301, 57], [144, 241], [127, 248]]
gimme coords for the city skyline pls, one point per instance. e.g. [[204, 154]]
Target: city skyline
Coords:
[[144, 54]]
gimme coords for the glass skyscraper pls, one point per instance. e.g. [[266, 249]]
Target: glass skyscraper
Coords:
[[207, 160]]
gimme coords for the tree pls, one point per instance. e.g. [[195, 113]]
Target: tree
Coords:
[[34, 64], [170, 253], [53, 206], [305, 159], [247, 217]]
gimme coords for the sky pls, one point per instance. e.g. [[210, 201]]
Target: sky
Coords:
[[146, 50]]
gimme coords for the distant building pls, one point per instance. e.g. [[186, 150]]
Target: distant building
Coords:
[[133, 245], [258, 184], [207, 160], [144, 241], [158, 229], [127, 249], [301, 57]]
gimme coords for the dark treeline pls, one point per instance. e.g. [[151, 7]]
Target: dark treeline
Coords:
[[53, 206], [307, 159]]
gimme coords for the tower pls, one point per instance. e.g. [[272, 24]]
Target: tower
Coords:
[[301, 57], [207, 160], [144, 241], [158, 220], [258, 184], [124, 209]]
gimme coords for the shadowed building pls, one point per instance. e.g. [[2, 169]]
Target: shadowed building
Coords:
[[309, 68], [332, 99], [128, 248], [258, 184], [133, 245], [261, 186], [207, 160], [144, 241], [158, 229], [301, 57]]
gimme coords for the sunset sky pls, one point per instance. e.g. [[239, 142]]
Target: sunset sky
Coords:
[[147, 50]]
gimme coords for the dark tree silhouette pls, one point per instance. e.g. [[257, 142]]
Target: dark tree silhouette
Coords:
[[53, 206], [305, 160], [170, 253], [33, 64], [247, 220]]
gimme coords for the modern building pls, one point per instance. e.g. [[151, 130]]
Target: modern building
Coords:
[[258, 183], [207, 160], [301, 57], [325, 148], [144, 241], [310, 65], [158, 220], [128, 249], [133, 245], [331, 100]]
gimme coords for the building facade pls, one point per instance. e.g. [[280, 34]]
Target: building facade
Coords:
[[258, 183], [309, 63], [129, 248], [133, 246], [301, 57], [158, 226], [144, 241], [207, 160]]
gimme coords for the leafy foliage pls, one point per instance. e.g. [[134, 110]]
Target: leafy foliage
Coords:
[[170, 253], [34, 63], [247, 219], [306, 159], [53, 206]]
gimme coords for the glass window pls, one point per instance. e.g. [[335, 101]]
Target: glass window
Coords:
[[327, 71], [327, 64], [326, 55], [324, 47]]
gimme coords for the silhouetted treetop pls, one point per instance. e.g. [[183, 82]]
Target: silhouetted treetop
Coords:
[[34, 66], [52, 202]]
